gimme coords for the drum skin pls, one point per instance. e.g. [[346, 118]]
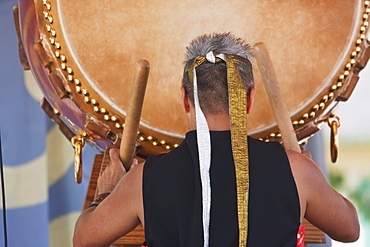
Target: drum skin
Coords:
[[83, 56]]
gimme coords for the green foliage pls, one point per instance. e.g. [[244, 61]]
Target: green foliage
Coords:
[[361, 198], [336, 179]]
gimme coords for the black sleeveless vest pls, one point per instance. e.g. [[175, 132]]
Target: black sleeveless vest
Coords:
[[173, 203]]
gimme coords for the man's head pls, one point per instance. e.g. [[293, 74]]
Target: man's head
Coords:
[[212, 78]]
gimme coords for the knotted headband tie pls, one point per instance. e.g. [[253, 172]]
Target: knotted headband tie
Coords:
[[238, 119]]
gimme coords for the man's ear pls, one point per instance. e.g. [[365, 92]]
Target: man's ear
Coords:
[[185, 101], [250, 100]]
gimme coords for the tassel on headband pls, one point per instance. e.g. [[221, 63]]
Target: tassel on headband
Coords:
[[238, 119]]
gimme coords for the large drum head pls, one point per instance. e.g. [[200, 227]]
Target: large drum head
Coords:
[[311, 44]]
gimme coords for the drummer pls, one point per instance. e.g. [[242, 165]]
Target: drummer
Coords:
[[168, 194]]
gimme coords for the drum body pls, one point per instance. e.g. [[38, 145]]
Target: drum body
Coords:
[[83, 56]]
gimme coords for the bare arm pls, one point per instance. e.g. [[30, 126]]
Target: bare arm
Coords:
[[119, 213], [324, 206]]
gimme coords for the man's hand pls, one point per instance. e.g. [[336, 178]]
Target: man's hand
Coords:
[[112, 174]]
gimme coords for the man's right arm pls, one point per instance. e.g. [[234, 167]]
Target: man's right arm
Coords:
[[324, 206], [119, 213]]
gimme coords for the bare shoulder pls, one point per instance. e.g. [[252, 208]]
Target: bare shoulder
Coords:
[[305, 172], [323, 205], [134, 181], [134, 175], [301, 161], [129, 189], [301, 167]]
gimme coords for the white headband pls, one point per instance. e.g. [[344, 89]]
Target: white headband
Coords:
[[204, 149]]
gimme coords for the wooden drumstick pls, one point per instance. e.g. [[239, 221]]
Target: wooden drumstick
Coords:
[[132, 121], [283, 120], [270, 81]]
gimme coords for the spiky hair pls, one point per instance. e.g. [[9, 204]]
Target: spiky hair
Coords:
[[218, 42], [212, 78]]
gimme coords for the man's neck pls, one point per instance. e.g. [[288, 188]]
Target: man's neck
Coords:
[[218, 122]]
